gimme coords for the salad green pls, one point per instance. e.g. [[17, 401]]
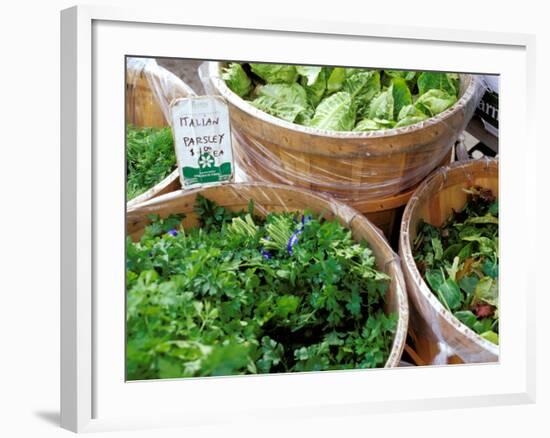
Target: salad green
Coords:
[[343, 99], [150, 157], [459, 262], [243, 295]]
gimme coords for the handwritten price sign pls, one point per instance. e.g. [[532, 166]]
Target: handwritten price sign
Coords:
[[202, 138]]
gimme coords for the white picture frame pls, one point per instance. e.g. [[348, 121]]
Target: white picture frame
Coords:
[[92, 392]]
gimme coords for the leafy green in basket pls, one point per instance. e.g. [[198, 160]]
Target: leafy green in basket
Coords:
[[343, 99], [286, 101], [459, 262], [335, 113], [275, 73], [150, 158], [434, 102], [246, 295], [237, 79]]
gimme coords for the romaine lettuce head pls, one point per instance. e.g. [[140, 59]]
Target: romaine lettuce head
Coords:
[[282, 110], [401, 95], [434, 102], [381, 106], [286, 101], [410, 115], [362, 87], [336, 113], [290, 93], [237, 79], [275, 73], [410, 111], [314, 81], [438, 81], [336, 79]]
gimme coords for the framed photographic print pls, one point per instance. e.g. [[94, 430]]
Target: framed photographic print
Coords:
[[265, 219]]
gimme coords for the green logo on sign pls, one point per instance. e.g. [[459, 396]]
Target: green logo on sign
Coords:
[[206, 161]]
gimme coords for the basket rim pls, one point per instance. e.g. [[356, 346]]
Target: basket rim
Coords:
[[152, 192], [342, 210], [405, 251], [221, 87]]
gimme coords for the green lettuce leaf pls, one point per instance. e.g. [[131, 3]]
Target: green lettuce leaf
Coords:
[[315, 83], [336, 79], [289, 93], [362, 87], [466, 317], [237, 79], [283, 110], [437, 81], [491, 336], [310, 73], [387, 124], [490, 268], [468, 284], [275, 73], [435, 278], [410, 111], [286, 101], [483, 325], [434, 102], [449, 294], [350, 71], [401, 95], [335, 112], [407, 75], [487, 219], [410, 115], [487, 246], [368, 125], [410, 120], [381, 106], [486, 291]]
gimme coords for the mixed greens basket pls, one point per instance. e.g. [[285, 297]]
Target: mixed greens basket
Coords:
[[258, 278], [449, 253]]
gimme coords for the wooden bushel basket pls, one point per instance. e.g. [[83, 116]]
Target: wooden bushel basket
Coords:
[[144, 110], [438, 335], [273, 197], [367, 170]]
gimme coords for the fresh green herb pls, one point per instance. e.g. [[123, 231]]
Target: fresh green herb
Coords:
[[150, 158], [343, 99], [459, 262], [244, 295]]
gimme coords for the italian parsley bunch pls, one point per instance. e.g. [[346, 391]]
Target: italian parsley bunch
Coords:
[[150, 158], [244, 295]]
